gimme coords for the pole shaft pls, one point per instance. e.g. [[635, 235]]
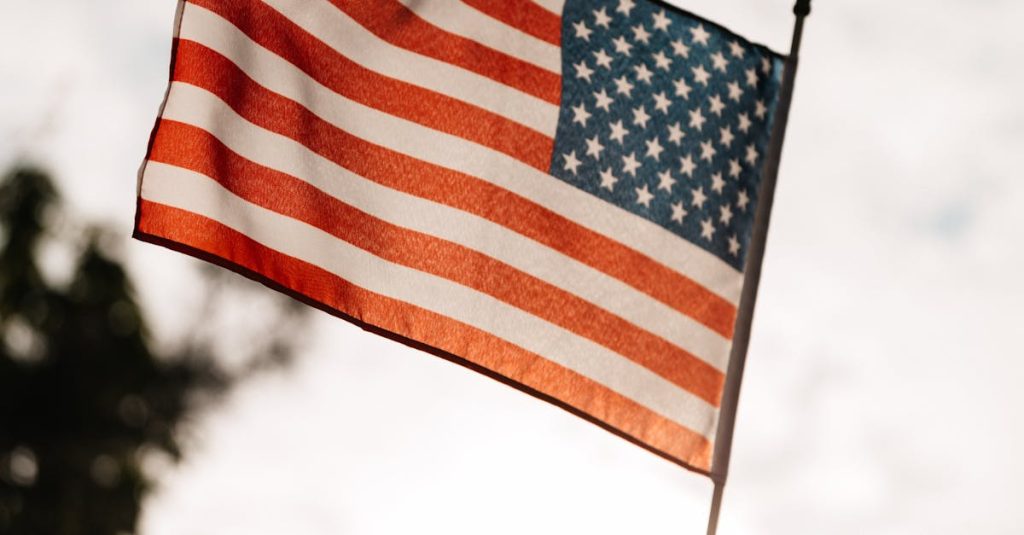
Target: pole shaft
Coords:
[[716, 507], [752, 274]]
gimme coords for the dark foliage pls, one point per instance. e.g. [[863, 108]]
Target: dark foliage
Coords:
[[84, 397]]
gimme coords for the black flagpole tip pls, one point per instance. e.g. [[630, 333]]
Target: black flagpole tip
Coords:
[[802, 8]]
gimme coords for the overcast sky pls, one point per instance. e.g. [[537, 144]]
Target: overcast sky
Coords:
[[883, 386]]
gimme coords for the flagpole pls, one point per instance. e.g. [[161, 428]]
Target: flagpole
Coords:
[[752, 273]]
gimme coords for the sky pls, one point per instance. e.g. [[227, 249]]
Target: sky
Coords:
[[882, 392]]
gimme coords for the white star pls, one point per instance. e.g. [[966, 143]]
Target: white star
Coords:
[[625, 6], [665, 180], [643, 74], [707, 151], [736, 49], [654, 148], [582, 32], [725, 214], [727, 136], [623, 86], [603, 100], [571, 162], [661, 21], [580, 114], [603, 59], [734, 245], [751, 77], [716, 105], [734, 91], [700, 35], [608, 179], [661, 102], [744, 123], [766, 65], [761, 110], [630, 164], [641, 35], [675, 133], [661, 61], [682, 88], [719, 61], [752, 154], [742, 200], [678, 212], [734, 168], [701, 75], [621, 45], [687, 166], [680, 49], [583, 71], [699, 198], [707, 229], [697, 119], [618, 132], [644, 196], [640, 116], [717, 183], [594, 147], [601, 18]]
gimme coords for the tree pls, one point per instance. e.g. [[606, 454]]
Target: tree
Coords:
[[84, 396]]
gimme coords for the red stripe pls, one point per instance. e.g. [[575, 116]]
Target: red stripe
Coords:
[[398, 25], [322, 63], [192, 148], [524, 15], [202, 235], [200, 66]]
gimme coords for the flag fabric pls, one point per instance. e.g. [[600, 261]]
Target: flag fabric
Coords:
[[558, 193]]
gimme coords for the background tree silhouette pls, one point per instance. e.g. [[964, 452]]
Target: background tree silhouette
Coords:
[[85, 397]]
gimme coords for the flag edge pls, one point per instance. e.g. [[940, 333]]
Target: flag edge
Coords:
[[664, 4], [412, 343]]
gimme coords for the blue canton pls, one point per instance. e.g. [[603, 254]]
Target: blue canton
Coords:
[[668, 116]]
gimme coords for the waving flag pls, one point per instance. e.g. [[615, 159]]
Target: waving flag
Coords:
[[557, 193]]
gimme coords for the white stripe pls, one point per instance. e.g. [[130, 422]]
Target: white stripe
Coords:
[[186, 190], [342, 33], [202, 109], [455, 153], [554, 6], [458, 18]]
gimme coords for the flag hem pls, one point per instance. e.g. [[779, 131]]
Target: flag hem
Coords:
[[685, 12]]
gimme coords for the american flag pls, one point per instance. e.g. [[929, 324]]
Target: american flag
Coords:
[[558, 193]]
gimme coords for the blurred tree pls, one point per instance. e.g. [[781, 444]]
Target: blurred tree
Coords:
[[84, 396]]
